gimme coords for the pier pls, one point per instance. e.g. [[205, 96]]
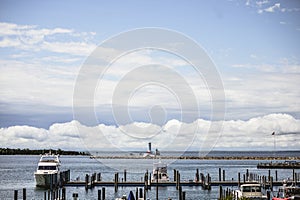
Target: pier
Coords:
[[203, 181]]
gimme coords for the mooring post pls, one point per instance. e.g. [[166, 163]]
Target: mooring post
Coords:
[[183, 195], [75, 196], [220, 192], [63, 193], [197, 175], [140, 192], [136, 193], [24, 193], [125, 175], [145, 194], [269, 175], [156, 184], [180, 193], [16, 195], [276, 177], [103, 193], [223, 174], [220, 174], [99, 194], [175, 174], [45, 195]]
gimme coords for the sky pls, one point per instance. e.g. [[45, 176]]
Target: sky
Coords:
[[254, 51]]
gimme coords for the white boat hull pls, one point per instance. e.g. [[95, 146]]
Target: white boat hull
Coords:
[[46, 180]]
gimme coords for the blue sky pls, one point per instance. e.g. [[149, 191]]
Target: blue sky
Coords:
[[254, 45]]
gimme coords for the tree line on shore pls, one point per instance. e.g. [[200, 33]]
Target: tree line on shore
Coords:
[[26, 151]]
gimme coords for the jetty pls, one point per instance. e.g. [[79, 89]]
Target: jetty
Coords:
[[279, 165]]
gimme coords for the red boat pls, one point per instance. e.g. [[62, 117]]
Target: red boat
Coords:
[[288, 193]]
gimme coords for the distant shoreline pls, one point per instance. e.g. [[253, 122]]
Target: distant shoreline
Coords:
[[199, 157], [26, 151]]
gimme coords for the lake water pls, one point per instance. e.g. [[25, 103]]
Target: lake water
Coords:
[[16, 172]]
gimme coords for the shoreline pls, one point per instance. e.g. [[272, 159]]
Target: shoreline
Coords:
[[199, 158]]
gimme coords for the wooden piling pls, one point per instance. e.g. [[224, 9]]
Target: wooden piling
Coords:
[[103, 193], [63, 193], [183, 195], [276, 177], [125, 175], [24, 193], [197, 175], [16, 195], [220, 178], [220, 192], [175, 174], [156, 184], [140, 192], [45, 195], [99, 194], [223, 175], [136, 193], [180, 192]]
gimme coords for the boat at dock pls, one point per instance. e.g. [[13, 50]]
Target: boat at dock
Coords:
[[251, 191], [287, 192], [47, 173], [160, 173]]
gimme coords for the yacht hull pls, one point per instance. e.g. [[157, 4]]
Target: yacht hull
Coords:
[[46, 180]]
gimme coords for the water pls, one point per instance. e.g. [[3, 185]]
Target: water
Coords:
[[16, 172]]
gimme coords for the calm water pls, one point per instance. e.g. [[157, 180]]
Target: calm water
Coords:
[[16, 172]]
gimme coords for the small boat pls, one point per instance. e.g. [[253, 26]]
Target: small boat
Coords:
[[47, 173], [287, 193], [249, 191], [160, 173]]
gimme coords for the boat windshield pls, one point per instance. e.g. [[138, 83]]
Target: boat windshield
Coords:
[[251, 189], [47, 167], [48, 159]]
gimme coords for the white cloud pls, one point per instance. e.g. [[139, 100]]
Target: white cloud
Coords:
[[32, 38], [273, 8], [253, 134]]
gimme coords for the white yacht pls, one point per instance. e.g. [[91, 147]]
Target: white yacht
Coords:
[[47, 171], [160, 173], [250, 191]]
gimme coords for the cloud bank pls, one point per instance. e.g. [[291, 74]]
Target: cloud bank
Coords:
[[253, 134]]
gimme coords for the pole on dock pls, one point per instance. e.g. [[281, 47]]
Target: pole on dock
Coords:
[[16, 195], [197, 175], [63, 193], [220, 192], [103, 193], [220, 174], [136, 193], [239, 179], [156, 184], [183, 195], [99, 194], [45, 195], [180, 193], [125, 175], [223, 175], [140, 192], [24, 193], [276, 176], [175, 174], [75, 196]]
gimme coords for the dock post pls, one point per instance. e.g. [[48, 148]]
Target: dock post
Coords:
[[197, 175], [86, 181], [183, 195], [145, 194], [115, 182], [276, 177], [45, 195], [220, 192], [239, 179], [103, 193], [63, 192], [125, 175], [175, 174], [99, 194], [223, 174], [24, 193], [220, 174], [244, 178], [140, 192], [180, 193], [75, 196], [269, 175], [136, 193], [247, 175], [271, 183], [156, 184], [16, 195]]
